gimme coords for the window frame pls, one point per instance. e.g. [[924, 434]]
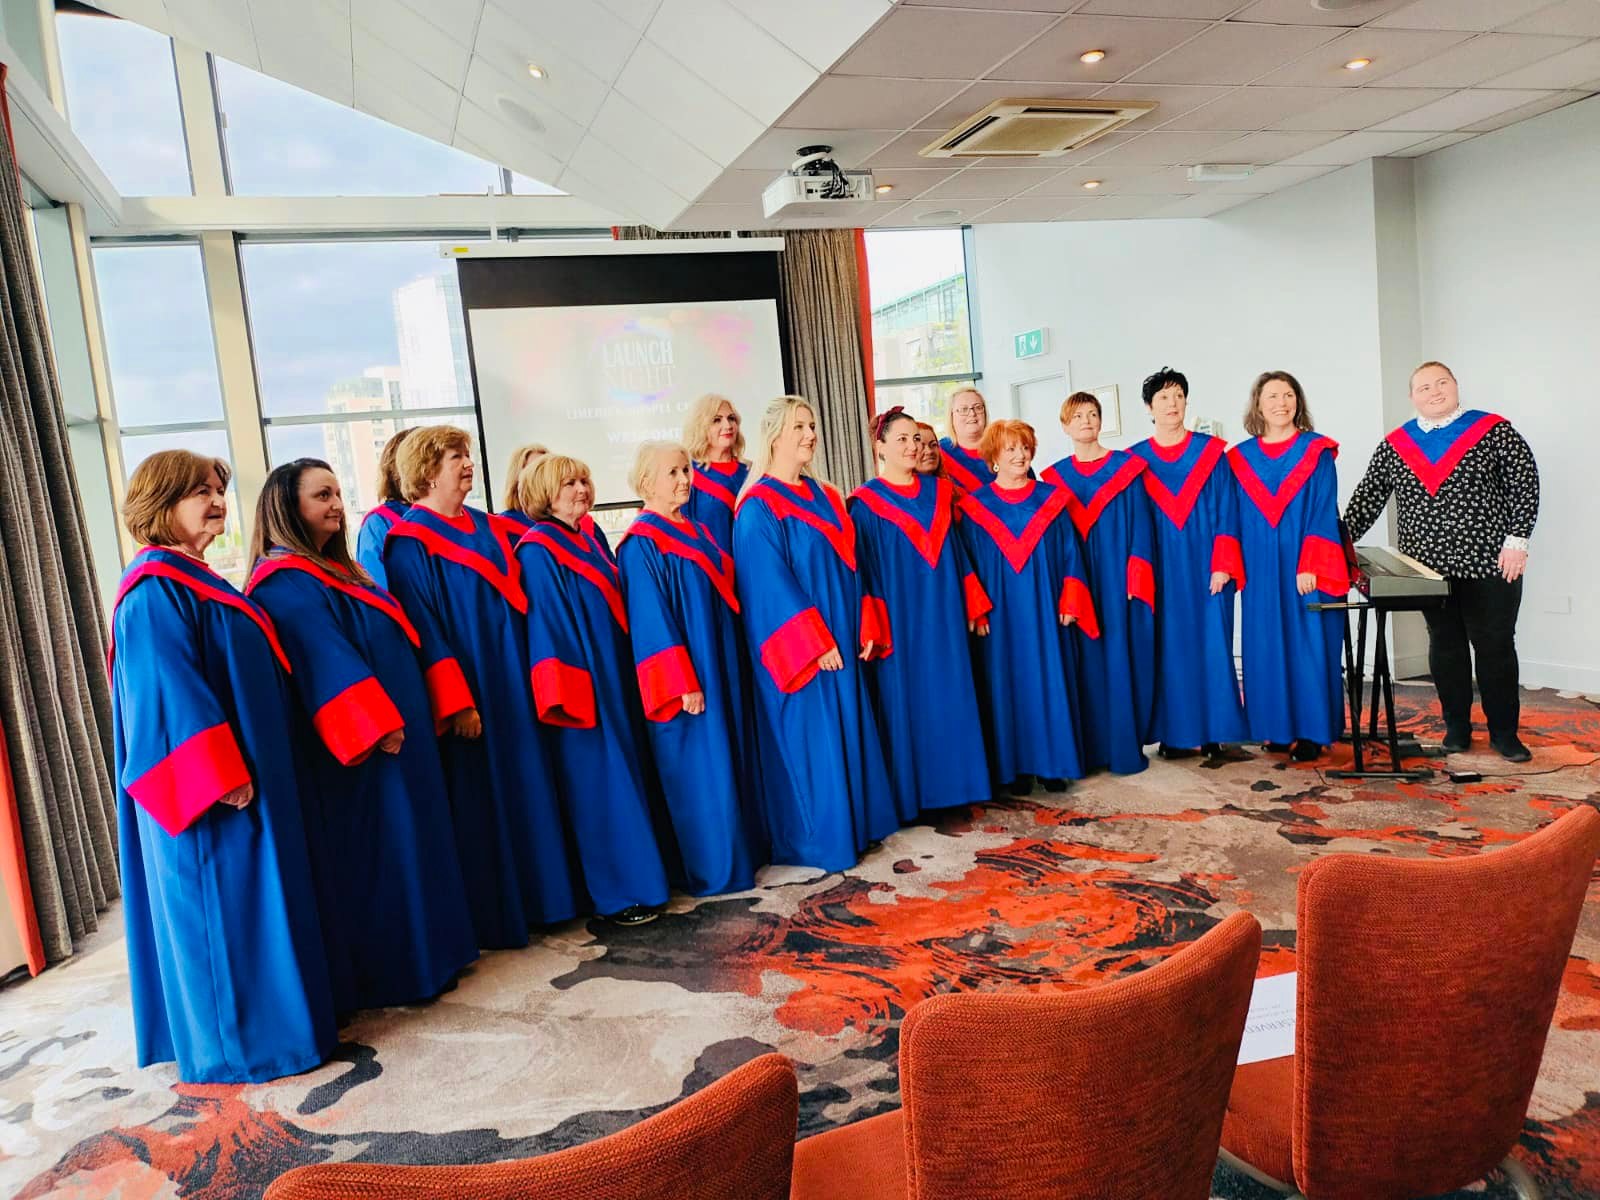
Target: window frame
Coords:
[[975, 375]]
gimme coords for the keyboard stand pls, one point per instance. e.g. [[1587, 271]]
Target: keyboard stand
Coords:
[[1355, 654]]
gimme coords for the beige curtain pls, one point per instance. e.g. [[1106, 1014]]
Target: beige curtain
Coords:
[[55, 702], [821, 282]]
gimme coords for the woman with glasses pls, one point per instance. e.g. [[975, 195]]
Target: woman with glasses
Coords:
[[963, 462]]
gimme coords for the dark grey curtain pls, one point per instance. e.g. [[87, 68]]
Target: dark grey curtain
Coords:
[[821, 285], [55, 703]]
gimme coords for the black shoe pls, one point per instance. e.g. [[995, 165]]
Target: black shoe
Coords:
[[1304, 750], [1175, 752], [1053, 785], [1022, 786], [1456, 741], [1217, 752], [1511, 749], [1277, 747], [634, 914]]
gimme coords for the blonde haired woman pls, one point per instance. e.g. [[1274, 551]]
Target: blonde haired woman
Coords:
[[715, 443], [454, 571], [522, 458], [963, 461], [809, 626]]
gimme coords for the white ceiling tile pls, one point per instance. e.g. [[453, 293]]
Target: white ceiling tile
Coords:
[[379, 97], [687, 104], [221, 26], [912, 215], [636, 13], [1163, 149], [742, 60], [1233, 53], [1270, 179], [1271, 146], [1460, 109], [1432, 144], [1136, 179], [1203, 206], [496, 140], [720, 216], [981, 95], [380, 68], [1129, 43], [1355, 147], [307, 43], [1172, 101], [457, 19], [1358, 108], [1482, 58], [776, 149], [911, 183], [616, 176], [1250, 108], [1573, 68], [1300, 12], [1551, 101], [818, 30], [505, 99], [572, 37], [1055, 6], [1459, 14], [736, 187], [1117, 208], [858, 102], [1579, 18], [1204, 10], [650, 146], [410, 36], [1029, 208], [940, 43], [997, 183], [1390, 50]]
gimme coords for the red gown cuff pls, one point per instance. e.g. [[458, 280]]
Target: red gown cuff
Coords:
[[1325, 559], [875, 626], [1076, 601], [1141, 580], [448, 693], [563, 695], [356, 720], [790, 655], [665, 679], [977, 600], [1227, 556], [198, 773]]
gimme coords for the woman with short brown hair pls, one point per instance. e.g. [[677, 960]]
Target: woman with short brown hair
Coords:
[[209, 805]]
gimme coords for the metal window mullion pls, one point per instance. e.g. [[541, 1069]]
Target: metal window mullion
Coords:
[[172, 427], [241, 401], [908, 380], [369, 414]]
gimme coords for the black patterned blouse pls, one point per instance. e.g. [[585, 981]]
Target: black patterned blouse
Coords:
[[1463, 489]]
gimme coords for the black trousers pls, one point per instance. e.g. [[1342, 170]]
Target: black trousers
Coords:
[[1479, 620]]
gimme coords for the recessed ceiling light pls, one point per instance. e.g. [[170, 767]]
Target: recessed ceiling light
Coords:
[[1091, 184], [1356, 64], [939, 216], [883, 189], [1091, 56], [537, 71]]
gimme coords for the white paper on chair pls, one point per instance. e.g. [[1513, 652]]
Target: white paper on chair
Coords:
[[1269, 1029]]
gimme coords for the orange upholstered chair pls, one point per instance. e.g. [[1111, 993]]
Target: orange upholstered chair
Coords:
[[1426, 989], [733, 1140], [1109, 1091]]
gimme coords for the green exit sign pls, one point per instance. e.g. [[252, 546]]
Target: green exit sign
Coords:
[[1030, 344]]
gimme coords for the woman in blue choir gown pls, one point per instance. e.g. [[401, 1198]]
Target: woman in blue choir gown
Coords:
[[209, 815], [1025, 553], [582, 670], [716, 447], [914, 567], [694, 677], [394, 907], [455, 573], [522, 458], [826, 790], [1293, 555], [963, 461], [1199, 569], [1111, 512], [391, 508]]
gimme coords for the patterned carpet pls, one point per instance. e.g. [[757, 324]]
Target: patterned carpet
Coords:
[[593, 1028]]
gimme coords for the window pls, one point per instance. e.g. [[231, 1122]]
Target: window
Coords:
[[354, 341], [122, 99], [921, 334], [284, 141]]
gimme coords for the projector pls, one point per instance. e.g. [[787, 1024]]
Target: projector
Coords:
[[813, 185]]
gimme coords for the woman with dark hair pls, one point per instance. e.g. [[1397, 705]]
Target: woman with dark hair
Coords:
[[391, 508], [453, 569], [1289, 528], [1111, 511], [1027, 559], [1199, 566], [394, 907], [912, 566], [715, 441], [930, 458], [225, 953]]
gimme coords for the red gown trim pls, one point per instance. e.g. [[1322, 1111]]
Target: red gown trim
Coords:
[[979, 606], [149, 566], [1227, 556], [356, 720], [1273, 504], [1079, 604], [1019, 547], [200, 771], [373, 597], [721, 574], [665, 678], [1085, 515], [1178, 507], [605, 579], [790, 655], [506, 581], [959, 472], [448, 693], [785, 502], [701, 481], [1433, 474], [1325, 559], [930, 541], [875, 627], [563, 695], [1142, 580]]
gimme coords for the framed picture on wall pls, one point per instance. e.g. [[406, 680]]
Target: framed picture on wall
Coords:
[[1110, 410]]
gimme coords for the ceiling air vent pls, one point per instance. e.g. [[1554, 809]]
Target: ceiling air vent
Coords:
[[1035, 128]]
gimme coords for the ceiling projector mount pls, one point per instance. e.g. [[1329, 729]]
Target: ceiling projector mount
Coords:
[[813, 184]]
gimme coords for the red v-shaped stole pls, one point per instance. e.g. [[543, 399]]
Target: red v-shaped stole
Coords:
[[156, 566], [1272, 504], [1017, 548], [1085, 515], [373, 597], [507, 582], [930, 541], [603, 580], [703, 481], [1433, 474], [782, 502], [1178, 507], [720, 573]]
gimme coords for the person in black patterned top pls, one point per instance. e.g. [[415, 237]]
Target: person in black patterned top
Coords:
[[1466, 489]]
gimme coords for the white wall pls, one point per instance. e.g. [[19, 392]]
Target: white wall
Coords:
[[1508, 254]]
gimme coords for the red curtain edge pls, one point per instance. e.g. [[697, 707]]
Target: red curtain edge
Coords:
[[864, 319]]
